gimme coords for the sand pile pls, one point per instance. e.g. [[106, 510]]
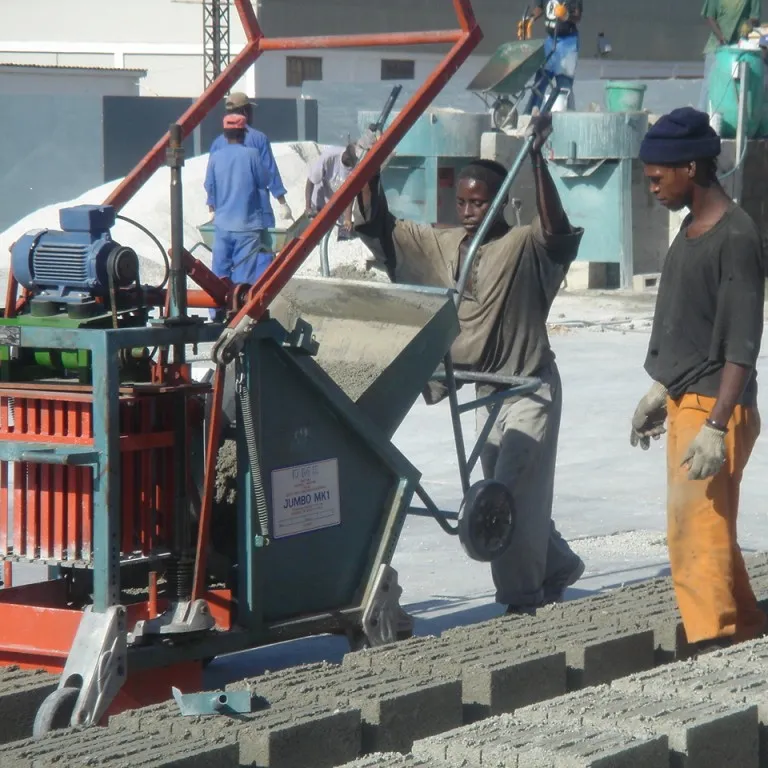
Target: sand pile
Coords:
[[151, 208]]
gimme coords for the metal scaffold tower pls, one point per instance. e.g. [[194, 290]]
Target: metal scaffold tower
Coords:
[[215, 38]]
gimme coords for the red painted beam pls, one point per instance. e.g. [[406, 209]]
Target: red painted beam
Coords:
[[136, 179], [292, 256], [358, 41]]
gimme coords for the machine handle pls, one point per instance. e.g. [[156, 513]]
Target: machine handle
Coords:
[[48, 456]]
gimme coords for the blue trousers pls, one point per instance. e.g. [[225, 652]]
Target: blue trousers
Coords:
[[239, 256], [562, 56]]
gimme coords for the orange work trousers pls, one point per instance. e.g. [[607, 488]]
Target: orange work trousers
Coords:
[[708, 572]]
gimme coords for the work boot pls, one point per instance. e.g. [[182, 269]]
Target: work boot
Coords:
[[703, 647], [554, 589], [518, 610]]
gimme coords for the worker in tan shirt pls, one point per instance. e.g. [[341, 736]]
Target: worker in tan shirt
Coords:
[[503, 316]]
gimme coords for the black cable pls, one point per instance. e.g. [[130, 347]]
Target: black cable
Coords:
[[155, 240]]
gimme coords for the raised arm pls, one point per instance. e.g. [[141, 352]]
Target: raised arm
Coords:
[[548, 204]]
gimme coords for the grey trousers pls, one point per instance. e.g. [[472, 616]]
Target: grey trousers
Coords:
[[521, 452]]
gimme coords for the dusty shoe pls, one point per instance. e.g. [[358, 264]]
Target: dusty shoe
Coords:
[[518, 610], [554, 589]]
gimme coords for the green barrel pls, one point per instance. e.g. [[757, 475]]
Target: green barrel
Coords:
[[724, 89]]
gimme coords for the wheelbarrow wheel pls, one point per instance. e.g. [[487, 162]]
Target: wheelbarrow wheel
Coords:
[[503, 114], [486, 520], [55, 713]]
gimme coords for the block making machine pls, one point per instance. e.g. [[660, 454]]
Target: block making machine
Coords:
[[110, 450], [108, 446]]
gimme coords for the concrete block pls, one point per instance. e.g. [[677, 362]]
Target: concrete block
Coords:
[[503, 686], [322, 742], [604, 660], [393, 723], [646, 283], [114, 748], [275, 737]]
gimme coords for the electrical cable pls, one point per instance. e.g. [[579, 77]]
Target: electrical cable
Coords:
[[156, 241]]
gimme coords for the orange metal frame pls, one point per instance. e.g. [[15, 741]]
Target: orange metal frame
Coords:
[[37, 626]]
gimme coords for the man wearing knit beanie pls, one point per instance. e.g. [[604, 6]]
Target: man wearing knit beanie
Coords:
[[702, 353]]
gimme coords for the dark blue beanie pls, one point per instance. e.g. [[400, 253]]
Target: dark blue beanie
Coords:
[[679, 137]]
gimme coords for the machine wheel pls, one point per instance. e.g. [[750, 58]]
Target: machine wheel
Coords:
[[486, 520], [55, 712]]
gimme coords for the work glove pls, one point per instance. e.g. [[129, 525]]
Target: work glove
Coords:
[[706, 454], [285, 211], [650, 415], [367, 140]]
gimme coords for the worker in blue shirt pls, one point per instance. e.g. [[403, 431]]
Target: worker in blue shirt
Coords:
[[238, 104], [235, 182]]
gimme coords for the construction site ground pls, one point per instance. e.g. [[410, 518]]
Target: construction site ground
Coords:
[[599, 680]]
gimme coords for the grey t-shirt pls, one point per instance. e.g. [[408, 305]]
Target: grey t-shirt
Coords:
[[709, 310], [515, 279]]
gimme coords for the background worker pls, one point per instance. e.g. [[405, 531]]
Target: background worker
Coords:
[[239, 104], [235, 183], [561, 49], [704, 345], [729, 20], [325, 176], [503, 319]]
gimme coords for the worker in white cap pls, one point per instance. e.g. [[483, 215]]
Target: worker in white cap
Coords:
[[325, 176], [239, 104]]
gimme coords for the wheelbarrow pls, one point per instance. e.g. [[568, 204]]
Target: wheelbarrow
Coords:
[[515, 70], [273, 239]]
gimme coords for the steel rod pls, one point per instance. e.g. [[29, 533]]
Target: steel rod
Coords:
[[359, 41]]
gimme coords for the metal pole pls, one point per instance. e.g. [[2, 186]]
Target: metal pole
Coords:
[[497, 205], [178, 284], [741, 127]]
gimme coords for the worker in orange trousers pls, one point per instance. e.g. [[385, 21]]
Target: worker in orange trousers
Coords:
[[706, 337]]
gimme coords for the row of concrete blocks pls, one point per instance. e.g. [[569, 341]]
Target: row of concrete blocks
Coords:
[[386, 699], [711, 713]]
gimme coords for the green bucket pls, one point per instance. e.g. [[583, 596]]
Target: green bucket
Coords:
[[621, 96]]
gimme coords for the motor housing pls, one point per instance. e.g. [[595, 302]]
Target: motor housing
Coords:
[[77, 264]]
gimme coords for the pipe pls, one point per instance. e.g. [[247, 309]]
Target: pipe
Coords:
[[741, 129], [178, 279], [358, 41]]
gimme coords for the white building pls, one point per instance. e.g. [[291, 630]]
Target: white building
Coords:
[[47, 79], [165, 37]]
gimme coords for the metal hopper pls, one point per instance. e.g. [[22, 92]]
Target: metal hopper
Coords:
[[380, 343]]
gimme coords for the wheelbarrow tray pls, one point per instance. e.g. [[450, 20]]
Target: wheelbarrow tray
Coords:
[[509, 69], [274, 238]]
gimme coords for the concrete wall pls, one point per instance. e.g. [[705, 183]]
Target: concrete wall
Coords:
[[32, 81], [45, 161], [165, 36]]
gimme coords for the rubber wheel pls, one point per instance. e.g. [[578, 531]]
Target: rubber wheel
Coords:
[[501, 112], [55, 713], [487, 520]]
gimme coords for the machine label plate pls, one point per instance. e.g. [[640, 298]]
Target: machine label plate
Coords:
[[305, 498], [10, 334]]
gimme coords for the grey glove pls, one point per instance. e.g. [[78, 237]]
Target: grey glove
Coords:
[[650, 415], [706, 454]]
